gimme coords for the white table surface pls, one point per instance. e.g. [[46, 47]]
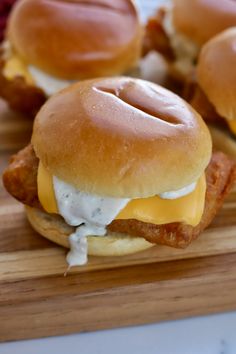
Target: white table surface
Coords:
[[214, 334]]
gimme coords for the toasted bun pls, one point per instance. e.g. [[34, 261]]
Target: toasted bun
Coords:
[[75, 39], [223, 141], [200, 20], [55, 229], [121, 137], [216, 72]]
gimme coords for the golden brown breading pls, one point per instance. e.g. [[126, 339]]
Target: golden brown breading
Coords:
[[221, 175], [20, 179], [21, 96], [156, 38], [193, 94]]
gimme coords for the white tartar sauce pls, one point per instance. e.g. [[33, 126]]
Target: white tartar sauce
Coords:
[[49, 84], [179, 193], [90, 213]]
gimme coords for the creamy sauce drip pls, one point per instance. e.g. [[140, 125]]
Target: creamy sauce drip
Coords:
[[47, 83], [179, 193], [90, 213]]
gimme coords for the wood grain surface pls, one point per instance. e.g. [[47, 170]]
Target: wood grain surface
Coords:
[[37, 300]]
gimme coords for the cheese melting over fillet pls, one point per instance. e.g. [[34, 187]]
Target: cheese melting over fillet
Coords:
[[155, 210]]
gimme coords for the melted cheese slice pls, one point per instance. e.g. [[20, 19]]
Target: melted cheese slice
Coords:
[[232, 126], [14, 66], [155, 210], [45, 190]]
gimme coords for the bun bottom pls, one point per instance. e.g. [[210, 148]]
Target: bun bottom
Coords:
[[223, 141], [54, 228]]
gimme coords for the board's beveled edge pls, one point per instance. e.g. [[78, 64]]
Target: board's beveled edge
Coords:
[[31, 264], [165, 291]]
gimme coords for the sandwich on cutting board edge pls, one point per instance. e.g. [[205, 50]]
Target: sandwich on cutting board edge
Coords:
[[51, 44], [116, 166]]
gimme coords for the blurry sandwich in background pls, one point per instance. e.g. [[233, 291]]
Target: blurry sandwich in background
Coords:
[[212, 91], [179, 30], [50, 44]]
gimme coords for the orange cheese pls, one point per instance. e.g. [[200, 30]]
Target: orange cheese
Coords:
[[232, 125], [45, 190], [14, 67], [155, 210]]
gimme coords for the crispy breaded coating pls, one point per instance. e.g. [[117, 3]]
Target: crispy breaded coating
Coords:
[[156, 38], [20, 179], [21, 96], [220, 175], [193, 94]]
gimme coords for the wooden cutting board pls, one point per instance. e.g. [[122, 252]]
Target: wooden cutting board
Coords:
[[37, 300]]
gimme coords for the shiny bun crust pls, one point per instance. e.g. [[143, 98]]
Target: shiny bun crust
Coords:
[[75, 39], [56, 230], [216, 72], [200, 20], [121, 137]]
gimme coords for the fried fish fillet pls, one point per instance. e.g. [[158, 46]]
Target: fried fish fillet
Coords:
[[155, 37], [220, 176], [193, 94], [19, 95], [20, 179]]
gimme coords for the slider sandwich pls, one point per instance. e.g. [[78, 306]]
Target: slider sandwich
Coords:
[[180, 30], [213, 92], [50, 44], [116, 166]]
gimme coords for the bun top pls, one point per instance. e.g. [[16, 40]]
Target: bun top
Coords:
[[200, 20], [121, 137], [216, 72], [76, 39]]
